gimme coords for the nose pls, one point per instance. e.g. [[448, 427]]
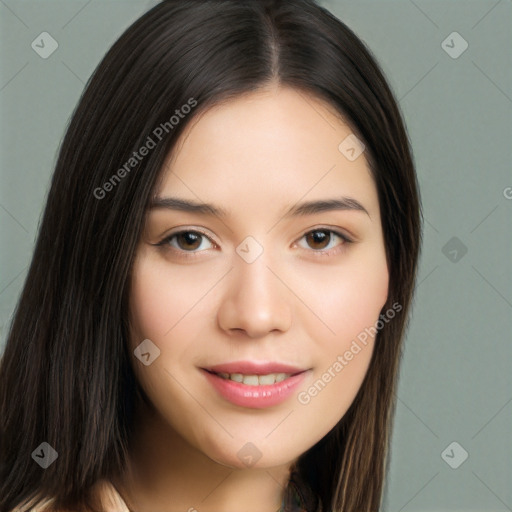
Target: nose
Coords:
[[256, 300]]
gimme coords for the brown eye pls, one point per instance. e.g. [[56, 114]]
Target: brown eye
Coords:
[[318, 239], [321, 241], [188, 240]]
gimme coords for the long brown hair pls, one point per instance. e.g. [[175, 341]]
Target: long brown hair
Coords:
[[65, 376]]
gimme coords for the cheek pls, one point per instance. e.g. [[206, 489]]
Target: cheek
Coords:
[[168, 307], [151, 302], [348, 298], [162, 299], [162, 303], [349, 304]]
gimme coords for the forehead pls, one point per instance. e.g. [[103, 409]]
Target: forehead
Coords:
[[273, 147]]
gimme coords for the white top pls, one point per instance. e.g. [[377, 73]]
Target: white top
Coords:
[[103, 491]]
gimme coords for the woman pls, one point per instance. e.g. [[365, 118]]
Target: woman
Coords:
[[214, 312]]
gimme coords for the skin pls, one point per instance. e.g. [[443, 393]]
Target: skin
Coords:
[[256, 155]]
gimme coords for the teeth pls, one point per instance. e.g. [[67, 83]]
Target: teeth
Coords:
[[266, 380], [251, 380], [256, 380]]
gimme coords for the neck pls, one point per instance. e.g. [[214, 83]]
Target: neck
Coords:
[[165, 469]]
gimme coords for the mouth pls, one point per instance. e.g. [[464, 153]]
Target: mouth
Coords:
[[255, 368], [255, 380], [255, 373], [254, 385]]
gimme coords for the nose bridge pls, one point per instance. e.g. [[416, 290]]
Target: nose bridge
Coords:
[[255, 301], [254, 279], [256, 286]]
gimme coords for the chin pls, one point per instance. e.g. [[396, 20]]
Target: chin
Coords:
[[252, 455]]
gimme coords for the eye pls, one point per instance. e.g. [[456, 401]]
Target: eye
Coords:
[[321, 240], [184, 242]]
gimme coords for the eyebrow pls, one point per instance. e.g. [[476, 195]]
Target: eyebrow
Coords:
[[297, 210]]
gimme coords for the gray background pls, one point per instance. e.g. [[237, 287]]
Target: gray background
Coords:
[[455, 381]]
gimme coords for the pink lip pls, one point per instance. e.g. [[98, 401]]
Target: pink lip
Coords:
[[254, 368], [255, 397]]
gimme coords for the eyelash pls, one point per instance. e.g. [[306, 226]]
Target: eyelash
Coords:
[[188, 254]]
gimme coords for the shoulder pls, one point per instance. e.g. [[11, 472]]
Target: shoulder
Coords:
[[103, 495], [40, 505], [107, 497]]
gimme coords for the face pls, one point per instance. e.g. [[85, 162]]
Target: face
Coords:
[[257, 312]]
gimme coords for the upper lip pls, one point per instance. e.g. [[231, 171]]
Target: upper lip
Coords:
[[254, 368]]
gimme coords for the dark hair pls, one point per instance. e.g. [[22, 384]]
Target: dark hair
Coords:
[[65, 377]]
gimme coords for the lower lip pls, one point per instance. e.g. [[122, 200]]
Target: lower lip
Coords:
[[256, 397]]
